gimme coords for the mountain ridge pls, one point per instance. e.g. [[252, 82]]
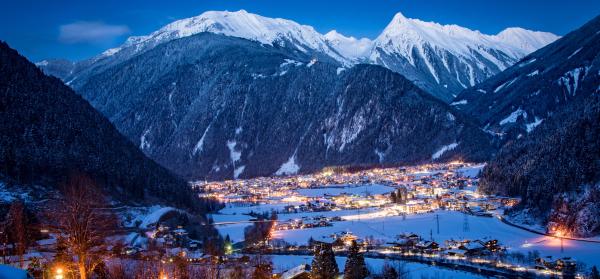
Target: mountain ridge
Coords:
[[433, 71]]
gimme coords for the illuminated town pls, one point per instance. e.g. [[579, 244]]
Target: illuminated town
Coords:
[[429, 217], [370, 207]]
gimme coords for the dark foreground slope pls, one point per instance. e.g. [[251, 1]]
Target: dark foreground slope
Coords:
[[47, 131], [217, 107]]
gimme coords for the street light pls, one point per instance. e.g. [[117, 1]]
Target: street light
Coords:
[[560, 234], [58, 273]]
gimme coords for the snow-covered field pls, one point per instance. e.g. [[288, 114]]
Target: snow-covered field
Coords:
[[374, 189], [453, 225], [229, 209], [415, 270]]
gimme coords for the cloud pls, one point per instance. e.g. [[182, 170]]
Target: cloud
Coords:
[[90, 32]]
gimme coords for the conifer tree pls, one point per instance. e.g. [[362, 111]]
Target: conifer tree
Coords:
[[355, 265], [393, 197], [323, 264], [389, 272], [595, 274]]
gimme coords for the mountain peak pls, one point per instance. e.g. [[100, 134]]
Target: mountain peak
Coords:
[[399, 18], [405, 33], [349, 47], [525, 39]]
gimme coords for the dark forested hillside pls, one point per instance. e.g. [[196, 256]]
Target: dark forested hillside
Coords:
[[556, 170], [555, 166], [515, 101], [217, 107], [47, 131]]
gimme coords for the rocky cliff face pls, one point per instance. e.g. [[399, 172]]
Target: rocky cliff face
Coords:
[[216, 107]]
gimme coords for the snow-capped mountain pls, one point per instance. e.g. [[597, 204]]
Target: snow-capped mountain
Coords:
[[444, 59], [441, 59], [241, 24]]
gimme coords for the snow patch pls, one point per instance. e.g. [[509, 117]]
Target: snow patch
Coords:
[[512, 118], [450, 116], [527, 62], [534, 73], [289, 168], [156, 212], [380, 155], [506, 84], [340, 70], [42, 63], [233, 154], [443, 150], [350, 133], [571, 79], [574, 53], [143, 141], [200, 144], [461, 102], [481, 91], [290, 62], [533, 125], [238, 171]]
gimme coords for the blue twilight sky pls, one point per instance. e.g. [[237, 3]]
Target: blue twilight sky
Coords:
[[77, 29]]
